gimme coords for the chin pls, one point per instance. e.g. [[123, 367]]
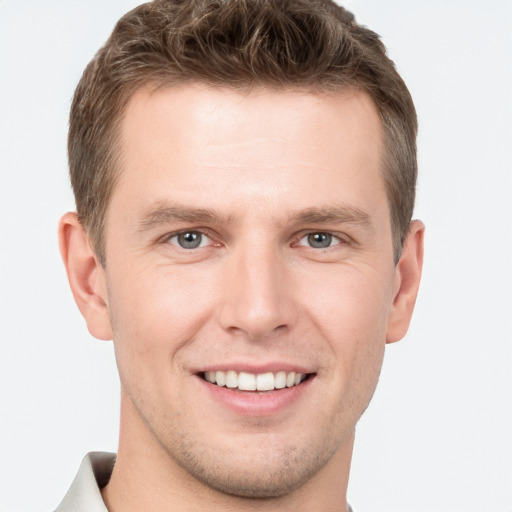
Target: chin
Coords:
[[274, 471], [257, 483]]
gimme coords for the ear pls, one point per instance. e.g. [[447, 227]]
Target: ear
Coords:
[[86, 276], [407, 282]]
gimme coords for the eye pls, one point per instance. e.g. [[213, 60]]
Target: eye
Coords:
[[189, 239], [319, 240]]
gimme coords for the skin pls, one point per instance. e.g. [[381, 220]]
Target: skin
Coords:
[[270, 168]]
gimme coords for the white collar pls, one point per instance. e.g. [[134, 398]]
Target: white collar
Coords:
[[84, 495]]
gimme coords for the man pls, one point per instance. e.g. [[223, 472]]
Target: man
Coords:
[[244, 175]]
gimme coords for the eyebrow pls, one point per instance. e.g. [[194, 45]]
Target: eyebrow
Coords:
[[335, 214], [168, 214]]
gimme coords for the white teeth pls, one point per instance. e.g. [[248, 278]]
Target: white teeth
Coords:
[[265, 381], [280, 380], [231, 379], [220, 378], [246, 381], [251, 382]]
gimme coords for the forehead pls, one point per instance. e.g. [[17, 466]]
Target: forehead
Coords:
[[267, 145], [251, 111]]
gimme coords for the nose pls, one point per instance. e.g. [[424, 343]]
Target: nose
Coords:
[[257, 294]]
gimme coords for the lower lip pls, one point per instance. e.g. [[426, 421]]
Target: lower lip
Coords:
[[254, 403]]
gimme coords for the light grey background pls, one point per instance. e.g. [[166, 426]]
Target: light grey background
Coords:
[[438, 435]]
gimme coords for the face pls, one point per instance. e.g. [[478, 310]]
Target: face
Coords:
[[250, 278]]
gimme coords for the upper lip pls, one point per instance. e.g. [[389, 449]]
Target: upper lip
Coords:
[[254, 368]]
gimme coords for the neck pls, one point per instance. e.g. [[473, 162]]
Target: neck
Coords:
[[146, 477]]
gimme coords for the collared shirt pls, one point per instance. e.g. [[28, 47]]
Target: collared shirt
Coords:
[[84, 495]]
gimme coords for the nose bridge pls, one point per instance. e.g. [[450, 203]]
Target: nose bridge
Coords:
[[255, 298]]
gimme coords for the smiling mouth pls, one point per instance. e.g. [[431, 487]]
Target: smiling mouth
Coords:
[[244, 381]]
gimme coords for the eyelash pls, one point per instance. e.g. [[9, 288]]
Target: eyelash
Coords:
[[205, 234]]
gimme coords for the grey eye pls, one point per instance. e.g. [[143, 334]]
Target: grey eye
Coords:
[[319, 240], [189, 239]]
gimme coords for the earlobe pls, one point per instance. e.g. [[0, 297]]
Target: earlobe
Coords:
[[407, 282], [86, 276]]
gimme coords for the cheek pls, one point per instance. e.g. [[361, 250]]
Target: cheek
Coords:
[[154, 314], [351, 313], [352, 302]]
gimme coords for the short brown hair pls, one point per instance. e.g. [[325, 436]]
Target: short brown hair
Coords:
[[311, 44]]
